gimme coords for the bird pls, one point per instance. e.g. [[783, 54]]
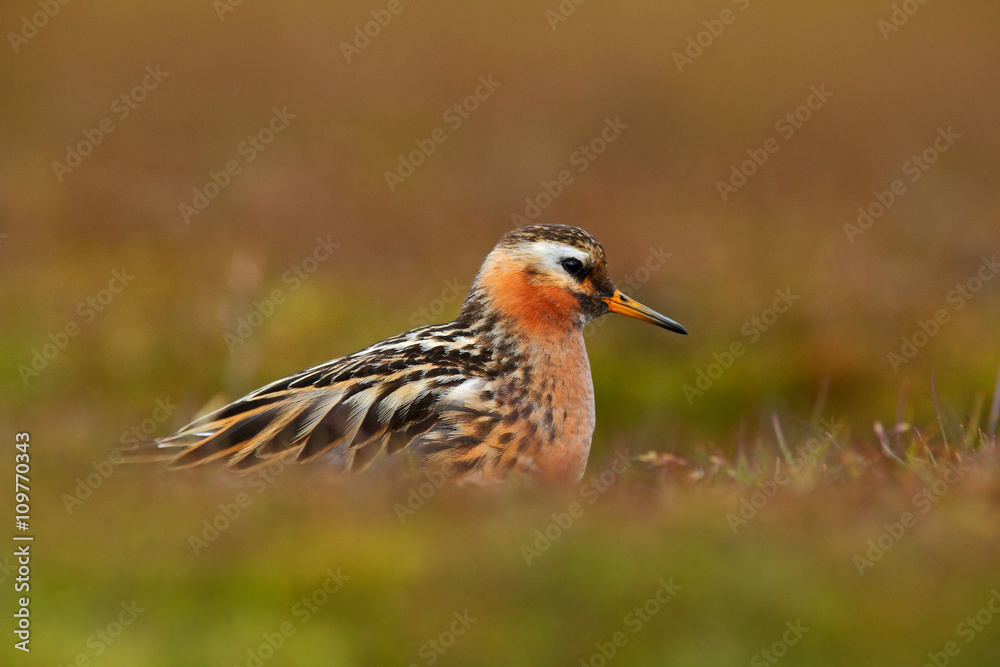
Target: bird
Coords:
[[504, 389]]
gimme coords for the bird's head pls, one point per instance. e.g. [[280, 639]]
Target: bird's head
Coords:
[[546, 277]]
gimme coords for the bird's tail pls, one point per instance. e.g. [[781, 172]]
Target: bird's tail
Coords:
[[295, 423]]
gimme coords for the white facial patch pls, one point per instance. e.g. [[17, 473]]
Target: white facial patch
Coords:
[[548, 255]]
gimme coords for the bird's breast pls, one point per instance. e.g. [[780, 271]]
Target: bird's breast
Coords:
[[559, 399]]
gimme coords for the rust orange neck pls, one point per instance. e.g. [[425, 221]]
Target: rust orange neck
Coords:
[[539, 310]]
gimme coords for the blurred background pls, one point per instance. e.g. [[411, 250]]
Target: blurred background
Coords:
[[199, 198]]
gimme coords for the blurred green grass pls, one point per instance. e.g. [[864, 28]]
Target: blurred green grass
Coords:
[[655, 187], [536, 600]]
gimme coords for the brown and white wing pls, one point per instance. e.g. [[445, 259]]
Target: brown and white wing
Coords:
[[371, 402]]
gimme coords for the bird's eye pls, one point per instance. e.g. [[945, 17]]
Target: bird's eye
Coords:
[[573, 266]]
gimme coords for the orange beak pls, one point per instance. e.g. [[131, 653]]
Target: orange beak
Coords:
[[619, 303]]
